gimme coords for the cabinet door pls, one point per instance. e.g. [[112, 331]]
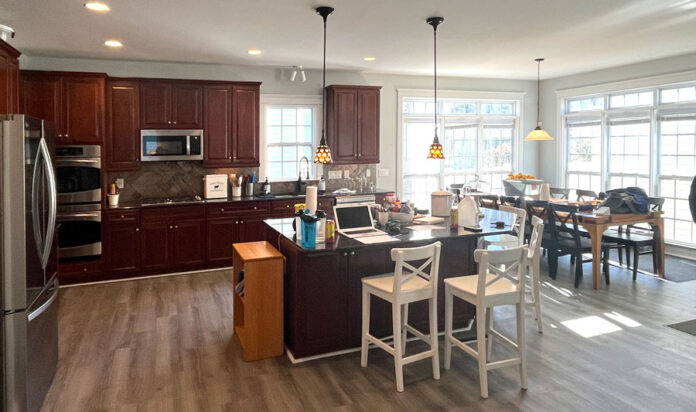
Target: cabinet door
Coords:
[[368, 125], [155, 244], [188, 242], [5, 93], [362, 263], [245, 126], [13, 69], [251, 229], [123, 131], [217, 126], [155, 105], [83, 109], [221, 234], [343, 125], [187, 107], [122, 247], [41, 97]]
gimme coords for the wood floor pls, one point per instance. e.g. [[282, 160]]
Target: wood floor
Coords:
[[166, 344]]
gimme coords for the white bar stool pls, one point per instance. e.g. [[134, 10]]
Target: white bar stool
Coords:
[[406, 285], [500, 281], [533, 258], [506, 241]]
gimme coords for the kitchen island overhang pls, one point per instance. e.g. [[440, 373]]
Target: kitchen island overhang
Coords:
[[323, 289]]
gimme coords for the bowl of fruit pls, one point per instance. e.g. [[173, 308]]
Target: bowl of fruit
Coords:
[[521, 176]]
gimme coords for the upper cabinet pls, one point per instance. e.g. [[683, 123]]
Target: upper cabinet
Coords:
[[73, 101], [174, 105], [122, 148], [245, 125], [9, 79], [352, 129]]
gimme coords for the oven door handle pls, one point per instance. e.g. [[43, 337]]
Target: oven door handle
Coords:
[[63, 161], [41, 309], [50, 177], [64, 217]]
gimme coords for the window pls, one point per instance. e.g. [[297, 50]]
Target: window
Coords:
[[479, 137], [644, 138], [289, 133]]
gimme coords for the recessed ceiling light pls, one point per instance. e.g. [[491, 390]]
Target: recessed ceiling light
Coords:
[[369, 59], [254, 52], [97, 6], [113, 43]]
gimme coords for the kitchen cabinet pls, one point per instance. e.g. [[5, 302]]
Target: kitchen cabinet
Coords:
[[123, 125], [222, 233], [9, 78], [173, 237], [353, 123], [245, 125], [171, 105], [122, 241], [73, 101], [217, 126]]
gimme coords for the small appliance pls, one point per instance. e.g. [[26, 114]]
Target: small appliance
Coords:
[[469, 213], [167, 144]]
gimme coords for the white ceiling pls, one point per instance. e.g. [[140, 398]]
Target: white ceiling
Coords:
[[479, 38]]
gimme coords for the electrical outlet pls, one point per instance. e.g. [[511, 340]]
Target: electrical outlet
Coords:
[[120, 183], [335, 174], [368, 173], [346, 174], [383, 172]]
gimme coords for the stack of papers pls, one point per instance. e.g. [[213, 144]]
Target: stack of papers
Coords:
[[428, 220], [376, 239]]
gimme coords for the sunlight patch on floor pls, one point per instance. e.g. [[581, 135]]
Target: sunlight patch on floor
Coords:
[[591, 326], [626, 321]]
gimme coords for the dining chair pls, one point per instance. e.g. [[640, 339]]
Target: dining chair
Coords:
[[586, 195], [500, 281], [566, 239], [514, 201], [409, 283], [559, 193], [533, 266], [539, 209], [489, 201]]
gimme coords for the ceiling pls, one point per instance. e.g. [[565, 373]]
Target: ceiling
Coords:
[[479, 38]]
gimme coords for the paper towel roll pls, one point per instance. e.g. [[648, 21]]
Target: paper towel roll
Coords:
[[545, 192], [311, 199]]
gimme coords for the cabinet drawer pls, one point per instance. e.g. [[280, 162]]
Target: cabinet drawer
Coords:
[[76, 272], [173, 212], [115, 216], [285, 206], [326, 204], [238, 208]]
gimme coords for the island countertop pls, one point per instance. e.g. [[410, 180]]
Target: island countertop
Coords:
[[416, 235]]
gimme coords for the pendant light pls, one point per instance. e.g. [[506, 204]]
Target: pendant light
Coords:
[[323, 153], [435, 151], [538, 133]]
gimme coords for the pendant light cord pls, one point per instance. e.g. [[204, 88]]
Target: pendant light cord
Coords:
[[435, 71], [323, 90], [538, 89]]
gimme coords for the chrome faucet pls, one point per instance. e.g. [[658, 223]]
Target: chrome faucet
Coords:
[[299, 183]]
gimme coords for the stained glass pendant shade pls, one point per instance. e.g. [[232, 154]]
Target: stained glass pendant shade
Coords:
[[323, 153], [435, 151]]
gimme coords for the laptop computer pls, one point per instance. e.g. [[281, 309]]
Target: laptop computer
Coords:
[[355, 220]]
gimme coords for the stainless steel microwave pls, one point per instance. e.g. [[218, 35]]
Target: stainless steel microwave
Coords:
[[163, 145]]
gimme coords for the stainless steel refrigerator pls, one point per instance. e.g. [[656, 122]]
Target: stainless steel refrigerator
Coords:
[[28, 264]]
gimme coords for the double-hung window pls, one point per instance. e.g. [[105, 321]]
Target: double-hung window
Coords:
[[290, 129], [479, 138]]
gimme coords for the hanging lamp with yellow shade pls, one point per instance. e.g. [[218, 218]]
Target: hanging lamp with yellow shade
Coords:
[[435, 151], [538, 133], [323, 153]]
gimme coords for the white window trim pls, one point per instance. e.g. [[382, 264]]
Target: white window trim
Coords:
[[402, 93], [284, 99]]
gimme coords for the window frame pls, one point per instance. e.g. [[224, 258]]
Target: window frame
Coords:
[[313, 101]]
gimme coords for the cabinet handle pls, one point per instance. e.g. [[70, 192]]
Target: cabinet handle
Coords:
[[66, 135], [137, 229], [169, 122], [236, 222], [84, 269], [254, 207], [123, 217], [222, 209], [176, 226], [241, 221], [352, 253], [60, 135], [345, 254], [174, 122], [287, 206], [171, 227]]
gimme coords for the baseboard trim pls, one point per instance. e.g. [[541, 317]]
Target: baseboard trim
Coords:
[[164, 275]]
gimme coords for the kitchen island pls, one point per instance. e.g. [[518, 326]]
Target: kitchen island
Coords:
[[323, 284]]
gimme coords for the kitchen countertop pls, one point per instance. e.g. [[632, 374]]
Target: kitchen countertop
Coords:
[[284, 227], [135, 205]]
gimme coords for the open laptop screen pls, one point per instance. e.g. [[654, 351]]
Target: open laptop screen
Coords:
[[353, 217]]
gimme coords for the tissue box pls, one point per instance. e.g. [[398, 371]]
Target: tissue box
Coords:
[[215, 186]]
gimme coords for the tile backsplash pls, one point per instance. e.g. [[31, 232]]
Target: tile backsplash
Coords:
[[174, 179]]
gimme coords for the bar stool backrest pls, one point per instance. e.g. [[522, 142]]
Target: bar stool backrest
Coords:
[[520, 221], [429, 258], [496, 265], [535, 238], [585, 195]]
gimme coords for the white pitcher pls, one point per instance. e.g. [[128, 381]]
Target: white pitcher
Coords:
[[469, 212]]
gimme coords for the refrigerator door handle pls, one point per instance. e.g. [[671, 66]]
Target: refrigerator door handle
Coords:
[[38, 236], [41, 309], [52, 201]]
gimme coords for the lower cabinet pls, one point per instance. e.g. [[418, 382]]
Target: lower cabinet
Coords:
[[222, 233], [155, 250], [188, 242]]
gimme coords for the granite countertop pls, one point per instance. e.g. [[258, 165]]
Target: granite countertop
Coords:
[[420, 235], [134, 205]]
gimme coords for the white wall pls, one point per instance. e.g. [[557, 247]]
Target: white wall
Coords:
[[548, 168], [276, 81]]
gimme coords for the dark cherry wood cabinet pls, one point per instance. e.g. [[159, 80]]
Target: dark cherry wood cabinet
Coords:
[[9, 78], [352, 127], [245, 125], [73, 101], [155, 244], [217, 126], [123, 125], [173, 237], [122, 241], [188, 242], [222, 233], [175, 105]]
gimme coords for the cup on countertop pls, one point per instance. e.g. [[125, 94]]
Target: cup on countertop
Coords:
[[236, 191], [113, 199], [250, 189]]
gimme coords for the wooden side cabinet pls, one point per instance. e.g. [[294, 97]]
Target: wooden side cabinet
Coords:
[[353, 123], [123, 125], [9, 78]]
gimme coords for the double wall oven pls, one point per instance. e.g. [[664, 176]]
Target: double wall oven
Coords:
[[79, 180]]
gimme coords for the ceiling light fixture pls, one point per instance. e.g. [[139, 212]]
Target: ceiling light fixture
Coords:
[[113, 43], [369, 59], [323, 153], [538, 133], [435, 151], [254, 52], [97, 6], [295, 70]]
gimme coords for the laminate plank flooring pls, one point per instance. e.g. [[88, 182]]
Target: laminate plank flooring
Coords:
[[166, 344]]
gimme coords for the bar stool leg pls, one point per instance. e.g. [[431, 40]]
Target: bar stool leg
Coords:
[[489, 335], [481, 348], [398, 366], [433, 338], [521, 345], [536, 280], [404, 322], [448, 327], [365, 327]]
